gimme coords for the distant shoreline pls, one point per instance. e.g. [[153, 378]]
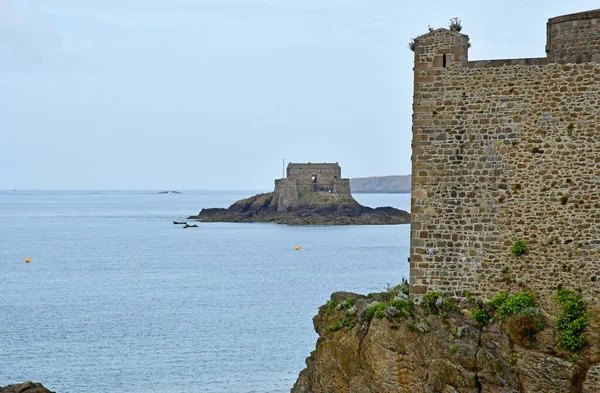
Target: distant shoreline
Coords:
[[395, 184], [380, 192]]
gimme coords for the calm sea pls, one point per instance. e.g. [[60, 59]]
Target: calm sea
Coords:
[[118, 299]]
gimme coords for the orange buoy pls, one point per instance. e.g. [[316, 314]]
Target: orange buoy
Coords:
[[27, 260], [297, 248]]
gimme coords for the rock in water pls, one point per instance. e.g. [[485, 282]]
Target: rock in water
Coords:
[[26, 387], [317, 208]]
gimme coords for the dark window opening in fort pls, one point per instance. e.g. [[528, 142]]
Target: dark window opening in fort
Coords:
[[315, 185], [444, 61], [314, 178]]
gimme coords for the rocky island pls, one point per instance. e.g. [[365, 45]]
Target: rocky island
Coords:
[[312, 194]]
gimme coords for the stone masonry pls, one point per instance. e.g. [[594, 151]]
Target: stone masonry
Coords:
[[506, 150], [592, 380], [303, 178]]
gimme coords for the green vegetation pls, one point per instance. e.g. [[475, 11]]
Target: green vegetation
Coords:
[[564, 199], [469, 297], [435, 303], [376, 310], [455, 25], [331, 305], [498, 300], [519, 248], [349, 314], [340, 325], [521, 315], [481, 316], [395, 303], [522, 319], [506, 305], [405, 307], [452, 349], [411, 44], [572, 320]]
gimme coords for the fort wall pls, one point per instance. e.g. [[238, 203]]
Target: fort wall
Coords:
[[502, 150], [341, 186], [314, 177], [287, 194], [306, 178]]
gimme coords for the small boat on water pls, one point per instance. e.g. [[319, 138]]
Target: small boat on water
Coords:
[[179, 222]]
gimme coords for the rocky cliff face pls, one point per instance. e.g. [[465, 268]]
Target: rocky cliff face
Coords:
[[316, 208], [26, 387], [401, 349]]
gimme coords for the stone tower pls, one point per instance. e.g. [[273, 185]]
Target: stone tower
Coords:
[[303, 178], [506, 150]]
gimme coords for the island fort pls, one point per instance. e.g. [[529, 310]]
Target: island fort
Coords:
[[309, 177], [310, 194], [506, 150]]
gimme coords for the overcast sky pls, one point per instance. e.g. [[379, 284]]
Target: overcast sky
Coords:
[[213, 94]]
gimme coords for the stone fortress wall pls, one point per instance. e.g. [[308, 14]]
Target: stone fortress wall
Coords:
[[314, 177], [303, 178], [507, 149]]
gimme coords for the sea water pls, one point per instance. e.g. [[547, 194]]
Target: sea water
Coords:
[[118, 299]]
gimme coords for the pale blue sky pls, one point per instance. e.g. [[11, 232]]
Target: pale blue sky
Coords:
[[212, 94]]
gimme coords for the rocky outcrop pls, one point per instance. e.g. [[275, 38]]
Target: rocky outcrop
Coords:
[[26, 387], [407, 351], [316, 208]]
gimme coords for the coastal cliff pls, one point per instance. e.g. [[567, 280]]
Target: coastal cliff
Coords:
[[314, 208], [385, 343]]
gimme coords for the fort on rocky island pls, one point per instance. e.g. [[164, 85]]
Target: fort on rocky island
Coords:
[[311, 194], [506, 150]]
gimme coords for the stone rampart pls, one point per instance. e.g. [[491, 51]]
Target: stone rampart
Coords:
[[503, 150], [341, 186], [574, 38], [286, 192], [314, 176]]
